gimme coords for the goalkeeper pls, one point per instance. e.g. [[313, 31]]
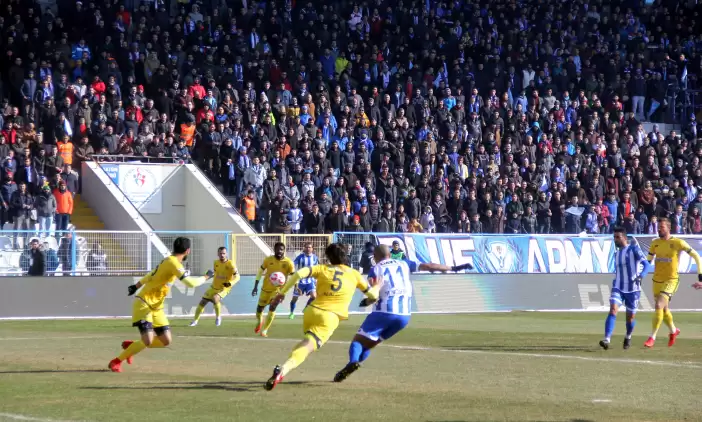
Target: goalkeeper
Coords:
[[148, 313]]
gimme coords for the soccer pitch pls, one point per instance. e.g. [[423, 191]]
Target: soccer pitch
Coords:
[[481, 367]]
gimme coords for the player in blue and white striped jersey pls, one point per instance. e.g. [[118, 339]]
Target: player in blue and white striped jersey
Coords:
[[391, 312], [630, 267], [306, 286]]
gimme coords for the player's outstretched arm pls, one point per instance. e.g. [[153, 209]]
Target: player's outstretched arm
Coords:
[[133, 288], [428, 266], [194, 281]]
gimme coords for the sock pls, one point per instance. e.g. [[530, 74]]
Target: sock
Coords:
[[355, 351], [269, 320], [298, 355], [365, 354], [292, 306], [217, 309], [630, 328], [656, 322], [609, 325], [138, 346], [259, 317], [132, 350], [198, 312], [668, 319]]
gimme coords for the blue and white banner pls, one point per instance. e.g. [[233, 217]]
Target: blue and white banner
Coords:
[[522, 253]]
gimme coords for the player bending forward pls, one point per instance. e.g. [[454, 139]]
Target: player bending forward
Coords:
[[225, 276], [278, 262], [336, 285], [626, 287], [666, 251], [306, 286], [393, 308], [148, 313]]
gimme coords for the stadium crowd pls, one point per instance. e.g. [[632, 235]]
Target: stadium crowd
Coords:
[[419, 116]]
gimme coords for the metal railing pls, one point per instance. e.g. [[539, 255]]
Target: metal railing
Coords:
[[135, 253]]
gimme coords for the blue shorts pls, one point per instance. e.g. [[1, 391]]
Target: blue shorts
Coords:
[[380, 326], [304, 289], [630, 300]]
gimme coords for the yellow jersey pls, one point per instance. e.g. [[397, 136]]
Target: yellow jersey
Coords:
[[667, 254], [274, 265], [224, 272], [157, 284], [336, 285]]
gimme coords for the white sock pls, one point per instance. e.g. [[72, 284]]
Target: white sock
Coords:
[[628, 336], [653, 336], [606, 339]]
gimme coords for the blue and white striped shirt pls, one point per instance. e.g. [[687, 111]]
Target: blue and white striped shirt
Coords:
[[395, 296], [630, 266], [303, 261]]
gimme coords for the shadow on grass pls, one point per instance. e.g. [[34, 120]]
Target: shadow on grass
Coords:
[[243, 386], [523, 349], [53, 371]]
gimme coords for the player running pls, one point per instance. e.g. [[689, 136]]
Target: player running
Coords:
[[393, 307], [225, 276], [306, 286], [630, 267], [336, 285], [278, 262], [148, 310], [666, 251]]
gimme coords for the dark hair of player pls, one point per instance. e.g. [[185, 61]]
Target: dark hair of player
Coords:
[[221, 248], [336, 254], [619, 229], [279, 245], [181, 245], [307, 244]]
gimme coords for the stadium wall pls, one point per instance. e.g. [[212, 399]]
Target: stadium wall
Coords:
[[93, 297], [514, 254]]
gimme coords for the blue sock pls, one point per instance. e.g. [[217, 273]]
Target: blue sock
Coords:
[[609, 325], [292, 306], [630, 328], [355, 352], [365, 354]]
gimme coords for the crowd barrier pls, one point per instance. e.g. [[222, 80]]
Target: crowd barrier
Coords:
[[523, 254], [98, 297]]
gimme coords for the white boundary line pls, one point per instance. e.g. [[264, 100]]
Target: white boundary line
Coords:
[[179, 316], [691, 365], [17, 417]]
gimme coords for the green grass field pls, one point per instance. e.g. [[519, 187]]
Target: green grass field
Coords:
[[496, 367]]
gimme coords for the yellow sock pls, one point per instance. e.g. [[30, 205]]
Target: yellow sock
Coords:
[[269, 320], [198, 312], [156, 343], [259, 318], [298, 355], [218, 309], [132, 350], [656, 323], [668, 319]]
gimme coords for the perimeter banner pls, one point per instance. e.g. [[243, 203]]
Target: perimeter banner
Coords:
[[99, 297], [524, 254]]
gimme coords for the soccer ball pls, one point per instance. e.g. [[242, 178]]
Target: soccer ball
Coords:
[[277, 279]]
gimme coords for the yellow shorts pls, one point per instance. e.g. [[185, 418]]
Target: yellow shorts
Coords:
[[143, 312], [319, 324], [265, 298], [669, 287], [212, 292]]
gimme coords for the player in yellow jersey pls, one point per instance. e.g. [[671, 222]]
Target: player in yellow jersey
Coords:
[[225, 276], [336, 285], [278, 262], [666, 252], [148, 313]]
